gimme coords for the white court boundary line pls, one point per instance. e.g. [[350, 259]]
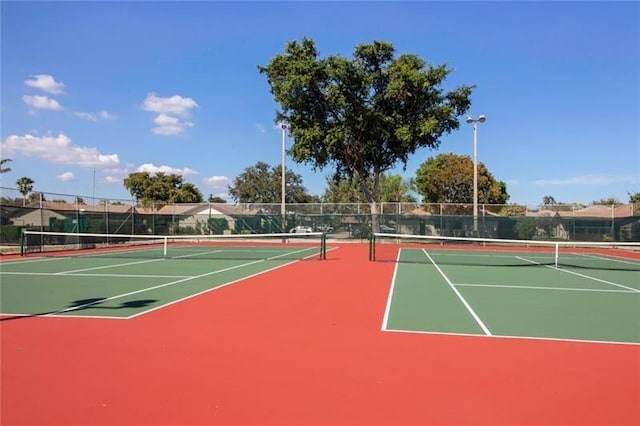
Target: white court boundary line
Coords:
[[534, 287], [32, 260], [579, 275], [462, 299], [173, 302], [497, 336], [96, 275], [117, 265], [615, 259], [59, 313], [387, 309]]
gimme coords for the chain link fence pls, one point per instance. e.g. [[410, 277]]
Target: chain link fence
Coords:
[[69, 213]]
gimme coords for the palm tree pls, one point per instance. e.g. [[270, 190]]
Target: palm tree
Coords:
[[5, 169], [25, 186]]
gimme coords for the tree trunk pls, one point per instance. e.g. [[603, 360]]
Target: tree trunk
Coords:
[[372, 195]]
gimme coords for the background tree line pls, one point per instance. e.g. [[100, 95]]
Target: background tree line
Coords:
[[446, 178]]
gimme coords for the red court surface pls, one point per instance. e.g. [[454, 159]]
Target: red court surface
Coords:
[[302, 345]]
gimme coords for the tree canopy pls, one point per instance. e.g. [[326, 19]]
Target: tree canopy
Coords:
[[343, 191], [607, 202], [215, 199], [161, 188], [392, 189], [362, 115], [448, 178], [25, 186], [262, 183], [2, 163]]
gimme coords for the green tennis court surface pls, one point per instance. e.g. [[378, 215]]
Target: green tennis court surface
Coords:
[[126, 283], [514, 294]]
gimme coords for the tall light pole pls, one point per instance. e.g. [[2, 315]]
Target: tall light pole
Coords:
[[481, 119], [283, 126]]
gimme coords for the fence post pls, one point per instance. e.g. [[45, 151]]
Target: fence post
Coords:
[[613, 226]]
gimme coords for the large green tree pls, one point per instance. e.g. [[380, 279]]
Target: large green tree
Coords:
[[262, 183], [25, 186], [362, 115], [448, 178], [160, 188]]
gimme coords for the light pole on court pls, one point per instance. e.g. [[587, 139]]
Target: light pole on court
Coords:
[[283, 126], [481, 119]]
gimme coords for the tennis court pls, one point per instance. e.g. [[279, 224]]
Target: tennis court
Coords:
[[513, 291], [288, 332], [122, 276]]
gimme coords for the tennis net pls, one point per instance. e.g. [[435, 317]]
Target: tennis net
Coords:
[[237, 246], [501, 252]]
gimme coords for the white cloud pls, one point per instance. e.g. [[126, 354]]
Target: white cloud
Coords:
[[57, 149], [260, 128], [173, 113], [218, 182], [117, 174], [86, 116], [106, 115], [102, 115], [42, 102], [174, 105], [118, 170], [586, 180], [167, 125], [153, 169], [66, 177], [46, 83], [166, 120]]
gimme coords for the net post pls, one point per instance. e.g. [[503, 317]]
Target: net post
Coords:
[[323, 246], [165, 243], [372, 247], [557, 250], [22, 242]]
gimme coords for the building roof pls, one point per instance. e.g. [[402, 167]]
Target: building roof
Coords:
[[87, 208], [593, 211], [214, 209]]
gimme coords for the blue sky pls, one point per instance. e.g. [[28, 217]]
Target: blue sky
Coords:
[[104, 89]]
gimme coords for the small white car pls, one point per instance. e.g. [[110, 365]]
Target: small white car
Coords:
[[301, 230], [387, 228], [324, 228]]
